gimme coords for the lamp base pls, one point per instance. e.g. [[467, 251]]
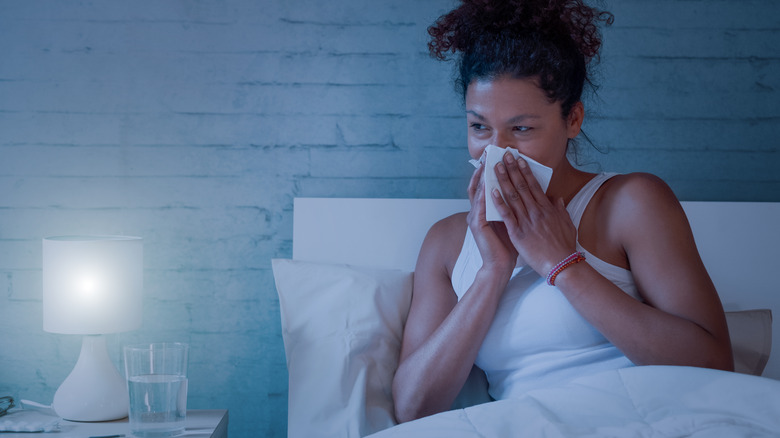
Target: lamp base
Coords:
[[94, 390]]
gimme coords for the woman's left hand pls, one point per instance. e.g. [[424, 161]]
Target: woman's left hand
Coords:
[[541, 230]]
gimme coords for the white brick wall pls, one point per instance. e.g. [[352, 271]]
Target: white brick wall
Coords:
[[194, 123]]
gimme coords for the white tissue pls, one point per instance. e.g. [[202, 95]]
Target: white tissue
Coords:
[[491, 157], [22, 420]]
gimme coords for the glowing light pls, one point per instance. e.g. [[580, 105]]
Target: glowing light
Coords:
[[92, 284], [87, 287]]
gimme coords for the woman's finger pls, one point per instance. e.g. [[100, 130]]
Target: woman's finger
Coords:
[[517, 195], [509, 217], [529, 180], [476, 182], [477, 196]]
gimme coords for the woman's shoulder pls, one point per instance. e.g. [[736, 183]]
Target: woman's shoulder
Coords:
[[444, 240], [626, 212], [454, 223], [448, 232], [633, 200], [638, 191]]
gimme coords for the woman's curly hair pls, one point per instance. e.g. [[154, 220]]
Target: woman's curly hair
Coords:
[[552, 40]]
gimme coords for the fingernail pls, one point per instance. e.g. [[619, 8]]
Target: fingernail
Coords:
[[496, 194], [521, 162], [501, 168], [509, 157]]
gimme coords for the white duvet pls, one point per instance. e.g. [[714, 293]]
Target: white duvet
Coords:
[[652, 401]]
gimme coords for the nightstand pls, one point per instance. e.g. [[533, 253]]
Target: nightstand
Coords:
[[199, 423]]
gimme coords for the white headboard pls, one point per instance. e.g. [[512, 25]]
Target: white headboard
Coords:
[[738, 242], [367, 232]]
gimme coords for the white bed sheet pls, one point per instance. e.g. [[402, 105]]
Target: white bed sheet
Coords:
[[652, 401]]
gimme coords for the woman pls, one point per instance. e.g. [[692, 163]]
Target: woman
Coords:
[[600, 272]]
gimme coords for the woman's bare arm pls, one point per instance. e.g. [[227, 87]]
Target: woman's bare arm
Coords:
[[681, 321], [443, 335]]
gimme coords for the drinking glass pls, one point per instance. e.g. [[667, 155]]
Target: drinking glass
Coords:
[[157, 382]]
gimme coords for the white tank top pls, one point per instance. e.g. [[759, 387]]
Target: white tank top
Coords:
[[537, 338]]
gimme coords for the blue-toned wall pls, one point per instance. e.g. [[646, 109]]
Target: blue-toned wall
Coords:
[[194, 124]]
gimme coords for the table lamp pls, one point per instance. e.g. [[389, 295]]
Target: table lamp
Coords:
[[92, 286]]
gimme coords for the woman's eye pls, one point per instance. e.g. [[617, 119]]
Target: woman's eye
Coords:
[[522, 128], [477, 126]]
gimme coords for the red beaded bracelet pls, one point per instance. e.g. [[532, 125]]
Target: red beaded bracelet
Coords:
[[565, 263]]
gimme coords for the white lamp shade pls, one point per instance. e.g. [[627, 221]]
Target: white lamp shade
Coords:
[[92, 284]]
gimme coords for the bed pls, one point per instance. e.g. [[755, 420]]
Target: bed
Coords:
[[345, 294]]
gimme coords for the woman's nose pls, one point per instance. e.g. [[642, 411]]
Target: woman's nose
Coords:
[[500, 140]]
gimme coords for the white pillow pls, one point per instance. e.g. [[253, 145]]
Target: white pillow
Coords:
[[342, 327]]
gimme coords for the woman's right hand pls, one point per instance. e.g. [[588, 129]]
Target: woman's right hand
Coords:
[[443, 333], [492, 239]]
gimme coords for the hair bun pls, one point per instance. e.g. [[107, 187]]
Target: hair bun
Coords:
[[474, 20]]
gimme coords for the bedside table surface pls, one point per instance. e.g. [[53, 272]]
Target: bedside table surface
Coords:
[[212, 423]]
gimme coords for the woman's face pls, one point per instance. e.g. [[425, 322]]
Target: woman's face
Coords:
[[516, 113]]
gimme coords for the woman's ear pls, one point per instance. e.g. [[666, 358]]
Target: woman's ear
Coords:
[[574, 122]]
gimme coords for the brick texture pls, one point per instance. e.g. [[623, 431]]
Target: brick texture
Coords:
[[194, 124]]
